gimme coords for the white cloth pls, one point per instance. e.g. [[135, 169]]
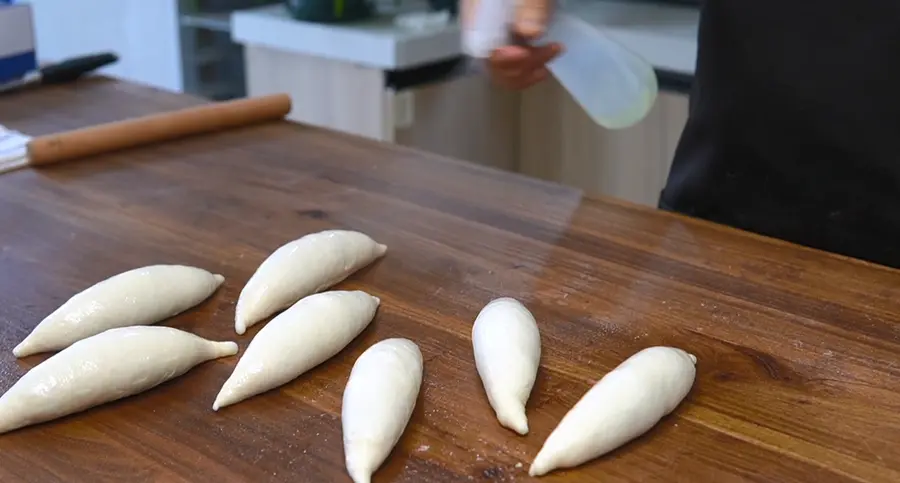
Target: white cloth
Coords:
[[13, 145]]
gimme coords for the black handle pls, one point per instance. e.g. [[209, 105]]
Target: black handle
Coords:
[[71, 69]]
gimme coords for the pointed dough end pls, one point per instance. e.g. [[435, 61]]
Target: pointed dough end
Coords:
[[224, 399], [359, 475], [219, 279], [541, 466], [27, 348], [21, 350], [380, 250], [225, 349], [237, 389], [520, 427], [243, 320], [509, 411], [514, 418]]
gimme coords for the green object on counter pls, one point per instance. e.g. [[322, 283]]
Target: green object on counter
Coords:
[[330, 11]]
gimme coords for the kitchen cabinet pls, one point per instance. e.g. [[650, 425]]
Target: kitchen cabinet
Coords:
[[559, 142], [324, 92], [462, 117], [340, 77]]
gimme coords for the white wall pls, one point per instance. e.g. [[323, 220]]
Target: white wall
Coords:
[[144, 33]]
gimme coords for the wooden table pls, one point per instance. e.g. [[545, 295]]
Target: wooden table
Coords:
[[799, 351]]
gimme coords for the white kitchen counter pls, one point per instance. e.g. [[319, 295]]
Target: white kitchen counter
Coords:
[[665, 35], [375, 43]]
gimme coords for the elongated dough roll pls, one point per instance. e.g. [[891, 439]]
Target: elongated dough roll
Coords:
[[310, 332], [105, 367], [303, 267], [623, 405], [143, 296], [378, 401], [507, 348]]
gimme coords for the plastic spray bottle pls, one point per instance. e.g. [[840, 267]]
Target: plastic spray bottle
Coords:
[[613, 85]]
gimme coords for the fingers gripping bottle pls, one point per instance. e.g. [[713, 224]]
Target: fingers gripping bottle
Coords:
[[613, 85]]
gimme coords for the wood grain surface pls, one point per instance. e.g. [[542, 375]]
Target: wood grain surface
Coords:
[[799, 351]]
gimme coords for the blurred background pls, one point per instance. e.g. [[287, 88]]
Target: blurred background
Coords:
[[393, 70]]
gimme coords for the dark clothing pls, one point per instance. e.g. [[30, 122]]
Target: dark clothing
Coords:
[[794, 126]]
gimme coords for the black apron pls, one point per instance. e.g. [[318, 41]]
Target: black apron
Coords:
[[794, 125]]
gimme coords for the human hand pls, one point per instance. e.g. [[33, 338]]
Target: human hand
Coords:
[[521, 64]]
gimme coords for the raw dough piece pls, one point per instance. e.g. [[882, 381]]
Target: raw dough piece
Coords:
[[303, 267], [623, 405], [142, 296], [378, 401], [507, 348], [309, 333], [108, 366]]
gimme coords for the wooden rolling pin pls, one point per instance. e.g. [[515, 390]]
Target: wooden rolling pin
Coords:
[[167, 126]]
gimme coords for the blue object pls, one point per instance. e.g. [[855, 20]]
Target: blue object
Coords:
[[16, 66], [17, 45]]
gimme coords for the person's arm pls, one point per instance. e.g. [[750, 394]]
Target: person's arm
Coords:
[[521, 64]]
